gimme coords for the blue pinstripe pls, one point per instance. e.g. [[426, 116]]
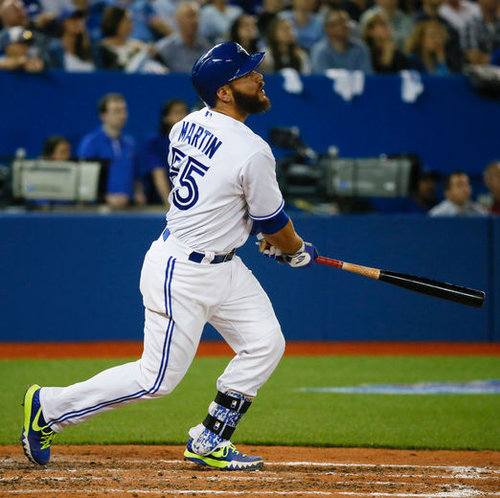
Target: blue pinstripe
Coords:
[[169, 271]]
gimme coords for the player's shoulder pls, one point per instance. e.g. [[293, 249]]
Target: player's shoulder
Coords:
[[247, 139], [256, 143], [229, 131]]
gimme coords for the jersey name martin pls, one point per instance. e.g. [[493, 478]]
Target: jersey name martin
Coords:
[[197, 136]]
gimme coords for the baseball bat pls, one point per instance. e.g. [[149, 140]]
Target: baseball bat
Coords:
[[443, 290]]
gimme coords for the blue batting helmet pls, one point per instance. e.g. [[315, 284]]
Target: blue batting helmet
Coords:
[[220, 65]]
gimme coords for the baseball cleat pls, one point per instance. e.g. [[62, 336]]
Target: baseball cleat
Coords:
[[37, 435], [225, 458]]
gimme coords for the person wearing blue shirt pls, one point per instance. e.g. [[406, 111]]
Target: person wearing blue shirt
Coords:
[[108, 143], [339, 49], [308, 25], [155, 163]]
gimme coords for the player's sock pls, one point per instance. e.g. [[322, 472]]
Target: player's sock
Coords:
[[223, 416]]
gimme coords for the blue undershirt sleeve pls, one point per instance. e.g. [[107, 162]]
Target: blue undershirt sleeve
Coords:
[[271, 225]]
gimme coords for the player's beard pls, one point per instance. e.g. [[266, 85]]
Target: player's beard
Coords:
[[251, 104]]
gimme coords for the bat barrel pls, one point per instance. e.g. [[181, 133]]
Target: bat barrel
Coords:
[[444, 290]]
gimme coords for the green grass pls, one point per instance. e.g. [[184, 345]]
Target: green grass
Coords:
[[281, 414]]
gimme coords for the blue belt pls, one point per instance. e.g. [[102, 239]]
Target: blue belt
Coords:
[[197, 257]]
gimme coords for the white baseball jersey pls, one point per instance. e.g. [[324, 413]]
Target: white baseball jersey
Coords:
[[223, 176]]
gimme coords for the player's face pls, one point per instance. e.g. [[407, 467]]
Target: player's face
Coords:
[[249, 95]]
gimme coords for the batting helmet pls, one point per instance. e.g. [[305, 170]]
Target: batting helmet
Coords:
[[220, 65]]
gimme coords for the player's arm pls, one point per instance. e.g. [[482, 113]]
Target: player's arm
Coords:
[[263, 196], [286, 240]]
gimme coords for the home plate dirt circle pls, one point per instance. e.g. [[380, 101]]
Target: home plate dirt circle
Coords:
[[160, 471]]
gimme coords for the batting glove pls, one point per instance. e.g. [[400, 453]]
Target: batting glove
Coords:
[[269, 251], [303, 258]]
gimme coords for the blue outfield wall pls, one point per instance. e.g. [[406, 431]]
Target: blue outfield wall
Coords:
[[76, 278], [449, 126]]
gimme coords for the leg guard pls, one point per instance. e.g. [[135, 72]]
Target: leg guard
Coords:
[[223, 416]]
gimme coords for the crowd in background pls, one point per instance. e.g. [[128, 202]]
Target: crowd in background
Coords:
[[159, 36], [140, 176], [310, 36]]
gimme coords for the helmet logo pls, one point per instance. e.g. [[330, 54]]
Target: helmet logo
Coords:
[[240, 49]]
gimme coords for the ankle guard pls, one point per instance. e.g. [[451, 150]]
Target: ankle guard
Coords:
[[223, 416]]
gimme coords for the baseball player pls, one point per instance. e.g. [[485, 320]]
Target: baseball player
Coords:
[[224, 187]]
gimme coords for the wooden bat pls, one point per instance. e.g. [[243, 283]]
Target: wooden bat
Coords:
[[443, 290]]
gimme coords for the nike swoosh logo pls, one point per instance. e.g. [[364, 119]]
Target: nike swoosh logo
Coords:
[[35, 425]]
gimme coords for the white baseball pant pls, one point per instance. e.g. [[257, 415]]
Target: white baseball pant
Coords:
[[180, 296]]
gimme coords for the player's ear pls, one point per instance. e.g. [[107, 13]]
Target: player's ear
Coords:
[[225, 94]]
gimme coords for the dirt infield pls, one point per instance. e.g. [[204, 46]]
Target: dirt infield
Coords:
[[160, 471], [121, 349]]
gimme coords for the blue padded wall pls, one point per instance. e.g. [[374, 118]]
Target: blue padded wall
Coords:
[[76, 278]]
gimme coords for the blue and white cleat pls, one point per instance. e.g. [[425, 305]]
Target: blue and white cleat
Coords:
[[37, 435], [225, 458]]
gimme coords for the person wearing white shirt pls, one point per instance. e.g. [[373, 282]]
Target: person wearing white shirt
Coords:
[[458, 13], [458, 198]]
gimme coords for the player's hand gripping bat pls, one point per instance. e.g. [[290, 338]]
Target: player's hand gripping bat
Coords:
[[461, 295]]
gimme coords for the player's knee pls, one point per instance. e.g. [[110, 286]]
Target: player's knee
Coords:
[[275, 344], [164, 389], [157, 383]]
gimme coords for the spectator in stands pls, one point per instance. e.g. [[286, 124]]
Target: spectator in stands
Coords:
[[216, 18], [110, 145], [118, 51], [147, 24], [56, 148], [458, 192], [401, 23], [36, 18], [459, 13], [424, 196], [167, 11], [156, 164], [430, 11], [73, 51], [13, 14], [267, 14], [307, 24], [180, 50], [339, 49], [482, 34], [244, 31], [385, 56], [353, 8], [492, 182], [18, 55], [282, 50], [427, 48]]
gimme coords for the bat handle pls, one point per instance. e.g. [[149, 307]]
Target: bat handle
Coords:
[[329, 262]]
